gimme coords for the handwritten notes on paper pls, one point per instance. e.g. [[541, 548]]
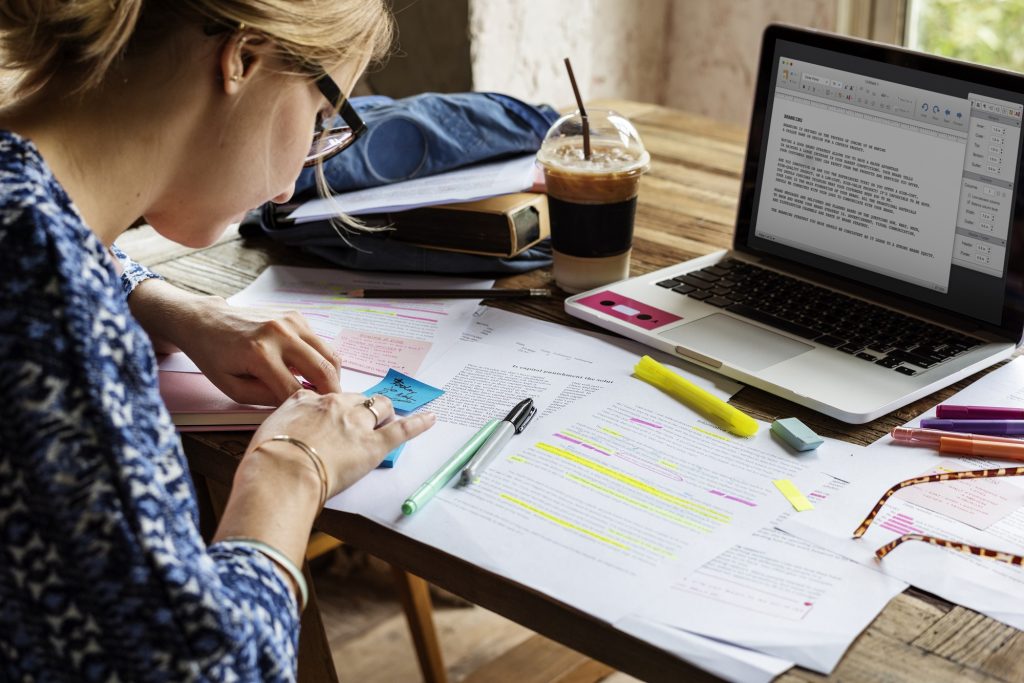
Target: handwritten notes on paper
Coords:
[[979, 503], [369, 335], [372, 352], [406, 394]]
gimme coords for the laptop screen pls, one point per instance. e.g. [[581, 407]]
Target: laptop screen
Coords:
[[893, 169]]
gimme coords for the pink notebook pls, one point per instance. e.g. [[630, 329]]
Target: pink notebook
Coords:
[[196, 404]]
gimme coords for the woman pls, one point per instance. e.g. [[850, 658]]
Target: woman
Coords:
[[186, 112]]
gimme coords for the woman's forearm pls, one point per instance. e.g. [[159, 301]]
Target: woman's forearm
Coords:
[[274, 498], [165, 312]]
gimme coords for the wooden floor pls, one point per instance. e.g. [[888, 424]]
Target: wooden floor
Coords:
[[369, 638]]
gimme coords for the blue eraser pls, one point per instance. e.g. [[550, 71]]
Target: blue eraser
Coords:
[[796, 434]]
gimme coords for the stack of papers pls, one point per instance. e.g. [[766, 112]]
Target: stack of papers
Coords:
[[464, 185], [987, 513], [666, 521], [371, 335], [626, 504]]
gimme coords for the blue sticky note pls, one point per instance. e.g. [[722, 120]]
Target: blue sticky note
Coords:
[[389, 460], [406, 394]]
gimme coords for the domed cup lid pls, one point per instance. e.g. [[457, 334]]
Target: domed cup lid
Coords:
[[615, 144]]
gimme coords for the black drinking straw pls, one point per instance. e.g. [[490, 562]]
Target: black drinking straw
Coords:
[[583, 111]]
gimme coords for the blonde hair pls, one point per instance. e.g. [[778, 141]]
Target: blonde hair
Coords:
[[86, 39], [42, 38]]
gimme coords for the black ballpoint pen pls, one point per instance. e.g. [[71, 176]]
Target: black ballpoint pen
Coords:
[[514, 423], [445, 293]]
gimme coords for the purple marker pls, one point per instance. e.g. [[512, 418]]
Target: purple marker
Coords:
[[950, 412], [997, 427]]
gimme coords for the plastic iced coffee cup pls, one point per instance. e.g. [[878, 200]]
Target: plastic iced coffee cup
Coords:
[[592, 202]]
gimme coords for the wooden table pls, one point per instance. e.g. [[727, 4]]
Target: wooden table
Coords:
[[686, 208]]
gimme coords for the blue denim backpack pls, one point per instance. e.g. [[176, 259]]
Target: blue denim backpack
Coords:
[[410, 138]]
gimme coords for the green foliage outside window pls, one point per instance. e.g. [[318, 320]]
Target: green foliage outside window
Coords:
[[988, 32]]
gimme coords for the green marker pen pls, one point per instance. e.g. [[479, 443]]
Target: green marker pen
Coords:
[[448, 470]]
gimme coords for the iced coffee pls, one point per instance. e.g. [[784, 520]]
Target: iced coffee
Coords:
[[592, 202]]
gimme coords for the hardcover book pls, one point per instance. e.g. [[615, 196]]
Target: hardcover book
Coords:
[[196, 404], [503, 226]]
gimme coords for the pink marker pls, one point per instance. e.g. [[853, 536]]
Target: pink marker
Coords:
[[950, 412], [933, 437]]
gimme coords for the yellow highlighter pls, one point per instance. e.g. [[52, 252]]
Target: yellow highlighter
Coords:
[[712, 407]]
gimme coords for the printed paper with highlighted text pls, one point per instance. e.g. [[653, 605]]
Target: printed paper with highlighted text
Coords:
[[598, 503], [987, 513], [371, 335], [778, 594]]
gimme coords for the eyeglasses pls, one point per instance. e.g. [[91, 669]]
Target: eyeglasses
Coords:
[[327, 142], [999, 555]]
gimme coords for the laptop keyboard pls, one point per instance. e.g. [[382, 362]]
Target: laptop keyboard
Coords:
[[872, 333]]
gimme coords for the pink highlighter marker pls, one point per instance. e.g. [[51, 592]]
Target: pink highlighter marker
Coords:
[[951, 412], [933, 437]]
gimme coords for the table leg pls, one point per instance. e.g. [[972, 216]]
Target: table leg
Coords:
[[414, 593]]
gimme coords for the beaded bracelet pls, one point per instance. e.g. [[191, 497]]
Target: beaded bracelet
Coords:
[[318, 463], [278, 558]]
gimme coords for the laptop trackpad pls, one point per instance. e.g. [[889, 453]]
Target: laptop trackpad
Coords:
[[735, 342]]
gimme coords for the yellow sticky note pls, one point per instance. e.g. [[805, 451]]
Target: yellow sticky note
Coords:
[[793, 495]]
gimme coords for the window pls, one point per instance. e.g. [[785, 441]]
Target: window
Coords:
[[984, 31]]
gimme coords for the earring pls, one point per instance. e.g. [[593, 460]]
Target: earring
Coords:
[[235, 78]]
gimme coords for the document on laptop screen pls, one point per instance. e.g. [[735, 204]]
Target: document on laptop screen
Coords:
[[902, 181]]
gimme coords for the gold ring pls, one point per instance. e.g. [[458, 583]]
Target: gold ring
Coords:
[[368, 404]]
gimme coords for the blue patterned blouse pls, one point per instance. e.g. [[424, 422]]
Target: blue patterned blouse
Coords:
[[103, 574]]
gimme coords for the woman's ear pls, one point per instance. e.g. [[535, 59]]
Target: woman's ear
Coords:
[[240, 58]]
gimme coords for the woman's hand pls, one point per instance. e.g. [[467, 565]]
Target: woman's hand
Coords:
[[276, 492], [250, 356], [343, 431], [254, 358]]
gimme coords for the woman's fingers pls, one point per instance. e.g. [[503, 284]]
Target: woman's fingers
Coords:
[[401, 430], [311, 364], [318, 352], [273, 372], [321, 347]]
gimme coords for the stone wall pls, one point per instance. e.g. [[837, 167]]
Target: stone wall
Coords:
[[696, 55], [617, 47]]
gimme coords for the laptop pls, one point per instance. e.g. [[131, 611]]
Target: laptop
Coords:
[[876, 249]]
